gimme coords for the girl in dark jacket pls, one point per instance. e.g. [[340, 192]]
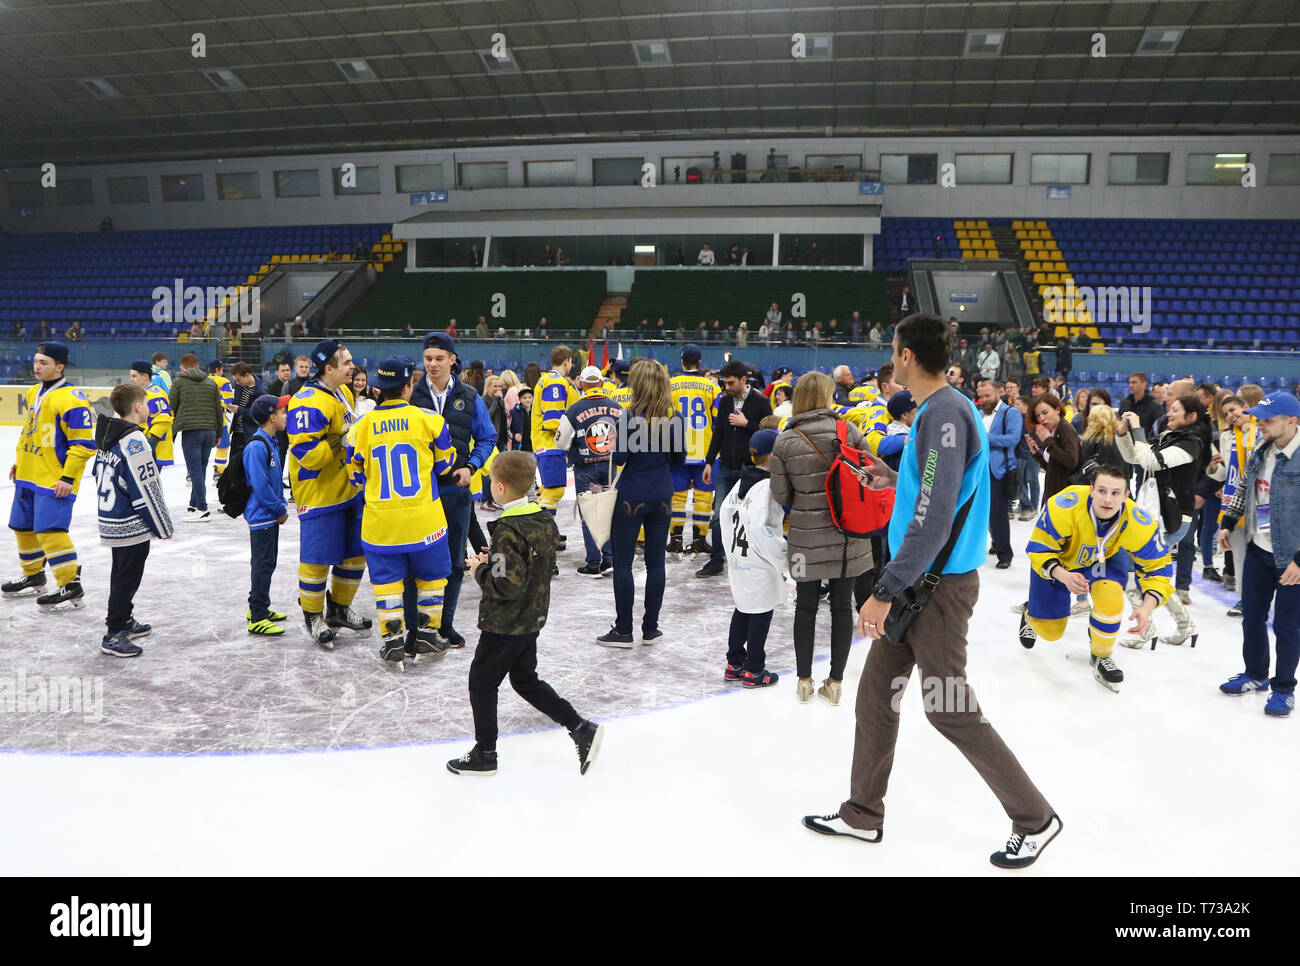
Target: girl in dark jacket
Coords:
[[817, 550], [1053, 443], [651, 440]]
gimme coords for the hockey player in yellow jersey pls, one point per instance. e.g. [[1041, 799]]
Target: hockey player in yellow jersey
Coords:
[[552, 395], [221, 455], [56, 442], [398, 451], [158, 430], [1085, 540], [329, 503], [696, 399], [622, 392]]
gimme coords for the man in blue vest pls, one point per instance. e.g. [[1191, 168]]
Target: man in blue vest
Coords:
[[587, 430], [1004, 425], [472, 436]]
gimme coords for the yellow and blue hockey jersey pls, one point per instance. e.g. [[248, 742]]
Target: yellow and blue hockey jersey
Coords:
[[1066, 533], [58, 437], [696, 399], [399, 450], [861, 394], [872, 420], [552, 395], [318, 424], [159, 426], [621, 395]]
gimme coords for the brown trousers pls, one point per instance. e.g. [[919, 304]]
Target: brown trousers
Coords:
[[936, 642]]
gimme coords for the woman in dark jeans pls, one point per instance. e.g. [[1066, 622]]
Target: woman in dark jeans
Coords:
[[817, 550], [651, 440]]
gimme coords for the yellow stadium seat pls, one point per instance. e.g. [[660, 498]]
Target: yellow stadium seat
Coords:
[[388, 256], [1040, 278], [1053, 278], [983, 224], [275, 259], [379, 267]]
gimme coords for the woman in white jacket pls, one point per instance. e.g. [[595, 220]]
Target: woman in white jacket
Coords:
[[751, 525]]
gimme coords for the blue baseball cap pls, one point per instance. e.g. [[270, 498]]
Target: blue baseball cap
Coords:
[[1274, 404], [55, 350], [901, 403], [324, 350], [440, 340], [142, 365], [762, 441], [393, 372], [691, 352], [263, 406]]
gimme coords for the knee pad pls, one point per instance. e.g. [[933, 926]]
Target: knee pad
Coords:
[[60, 554], [1049, 629], [311, 586]]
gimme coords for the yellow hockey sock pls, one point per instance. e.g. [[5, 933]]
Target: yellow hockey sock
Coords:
[[311, 587], [550, 497], [345, 580], [388, 601], [30, 554], [1107, 614], [678, 520], [60, 554], [702, 511], [429, 601]]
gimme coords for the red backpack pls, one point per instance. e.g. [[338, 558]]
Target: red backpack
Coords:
[[856, 509]]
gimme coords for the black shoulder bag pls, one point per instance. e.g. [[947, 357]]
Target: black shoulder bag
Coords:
[[904, 608]]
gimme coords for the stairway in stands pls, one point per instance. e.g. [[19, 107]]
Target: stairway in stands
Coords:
[[611, 308], [1045, 267]]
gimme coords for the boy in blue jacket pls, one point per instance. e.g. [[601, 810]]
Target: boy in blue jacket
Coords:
[[131, 511], [265, 510]]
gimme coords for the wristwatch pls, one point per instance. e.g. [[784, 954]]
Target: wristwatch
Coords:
[[880, 592]]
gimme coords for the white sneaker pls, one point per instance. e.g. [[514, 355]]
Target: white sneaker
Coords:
[[203, 516], [1023, 850], [834, 825], [1080, 607]]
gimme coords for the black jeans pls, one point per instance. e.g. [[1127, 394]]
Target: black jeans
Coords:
[[747, 641], [128, 570], [807, 595], [265, 546], [1001, 492], [496, 656], [628, 520]]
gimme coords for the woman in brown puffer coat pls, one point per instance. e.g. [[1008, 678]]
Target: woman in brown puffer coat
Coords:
[[817, 551]]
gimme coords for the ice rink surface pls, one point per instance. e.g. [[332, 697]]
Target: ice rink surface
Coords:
[[220, 753]]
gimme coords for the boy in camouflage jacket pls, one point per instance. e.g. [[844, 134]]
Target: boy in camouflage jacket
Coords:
[[515, 576]]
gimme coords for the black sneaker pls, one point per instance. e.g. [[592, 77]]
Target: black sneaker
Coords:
[[675, 542], [476, 762], [15, 588], [1212, 575], [69, 593], [453, 637], [119, 645], [1028, 636], [606, 566], [732, 673], [711, 569], [1235, 610], [762, 679], [136, 629], [652, 637], [614, 639], [563, 544], [587, 737], [700, 545], [834, 825], [590, 570], [1023, 850]]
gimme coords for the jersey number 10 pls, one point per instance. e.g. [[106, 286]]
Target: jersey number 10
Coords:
[[399, 470]]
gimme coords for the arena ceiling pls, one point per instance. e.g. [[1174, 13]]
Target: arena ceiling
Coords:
[[894, 68]]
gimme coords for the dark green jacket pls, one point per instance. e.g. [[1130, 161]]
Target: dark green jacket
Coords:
[[196, 402], [516, 579]]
